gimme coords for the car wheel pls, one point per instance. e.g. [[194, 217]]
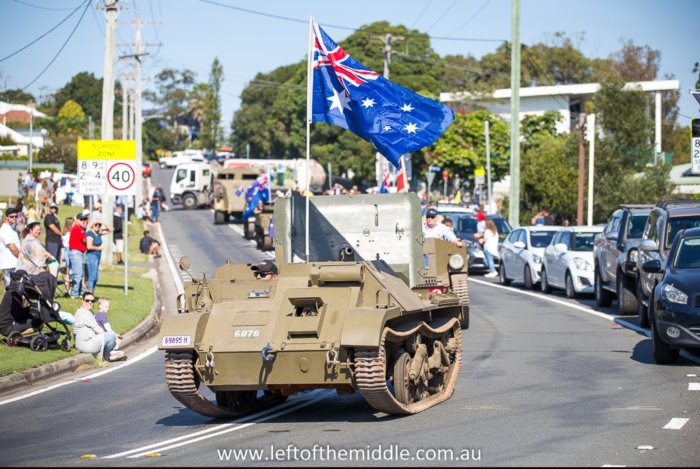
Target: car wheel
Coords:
[[603, 298], [544, 284], [663, 353], [626, 298], [569, 284], [502, 278], [527, 277], [641, 309]]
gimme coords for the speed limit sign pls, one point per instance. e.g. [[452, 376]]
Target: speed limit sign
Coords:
[[121, 177]]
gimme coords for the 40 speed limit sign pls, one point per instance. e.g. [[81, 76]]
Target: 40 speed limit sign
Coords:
[[107, 167]]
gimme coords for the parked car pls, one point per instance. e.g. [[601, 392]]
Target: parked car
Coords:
[[615, 255], [465, 228], [674, 304], [665, 221], [521, 254], [181, 157], [568, 261], [447, 210]]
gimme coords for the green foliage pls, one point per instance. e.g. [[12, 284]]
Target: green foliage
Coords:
[[6, 141], [173, 89], [71, 109], [86, 90], [16, 96], [211, 134], [157, 137], [62, 149], [462, 148]]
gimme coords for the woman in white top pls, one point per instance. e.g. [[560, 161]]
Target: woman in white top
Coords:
[[490, 243]]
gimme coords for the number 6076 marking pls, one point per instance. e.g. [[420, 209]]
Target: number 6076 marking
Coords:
[[246, 333]]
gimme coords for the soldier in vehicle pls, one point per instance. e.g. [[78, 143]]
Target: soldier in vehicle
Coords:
[[265, 270]]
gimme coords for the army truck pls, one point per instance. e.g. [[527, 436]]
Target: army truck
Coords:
[[373, 308], [229, 192]]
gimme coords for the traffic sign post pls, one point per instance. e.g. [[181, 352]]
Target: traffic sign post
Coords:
[[695, 146], [108, 167]]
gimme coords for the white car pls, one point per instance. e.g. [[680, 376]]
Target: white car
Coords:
[[521, 254], [181, 157], [568, 261]]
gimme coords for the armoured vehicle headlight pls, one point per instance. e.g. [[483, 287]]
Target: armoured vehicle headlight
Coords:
[[456, 262], [674, 295]]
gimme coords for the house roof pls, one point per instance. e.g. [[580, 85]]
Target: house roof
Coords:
[[7, 107]]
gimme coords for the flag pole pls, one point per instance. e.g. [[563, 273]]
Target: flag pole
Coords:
[[309, 108], [403, 173]]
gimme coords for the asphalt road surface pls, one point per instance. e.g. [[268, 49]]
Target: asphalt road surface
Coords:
[[545, 381]]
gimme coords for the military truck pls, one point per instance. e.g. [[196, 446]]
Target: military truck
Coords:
[[229, 192], [372, 307]]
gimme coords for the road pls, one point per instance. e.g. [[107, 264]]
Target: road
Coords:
[[545, 381]]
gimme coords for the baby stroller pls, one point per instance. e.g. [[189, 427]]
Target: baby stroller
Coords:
[[28, 302]]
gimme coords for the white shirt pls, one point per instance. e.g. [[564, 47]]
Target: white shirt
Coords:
[[491, 242], [8, 236], [439, 231]]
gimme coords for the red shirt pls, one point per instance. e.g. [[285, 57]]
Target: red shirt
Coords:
[[77, 238]]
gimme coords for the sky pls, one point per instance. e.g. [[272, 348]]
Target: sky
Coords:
[[249, 37]]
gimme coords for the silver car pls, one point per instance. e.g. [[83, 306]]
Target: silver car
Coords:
[[521, 254]]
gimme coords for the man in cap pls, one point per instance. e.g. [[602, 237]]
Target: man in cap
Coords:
[[53, 240], [77, 246], [265, 270], [9, 245], [433, 229]]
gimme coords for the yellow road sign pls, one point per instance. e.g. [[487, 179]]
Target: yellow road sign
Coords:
[[106, 149]]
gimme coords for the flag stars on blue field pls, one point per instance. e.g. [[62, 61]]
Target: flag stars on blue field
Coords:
[[339, 101], [367, 103], [411, 128], [407, 107]]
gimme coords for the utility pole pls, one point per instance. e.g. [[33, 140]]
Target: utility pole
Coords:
[[581, 168], [590, 126], [514, 202], [489, 208], [111, 12], [125, 108], [31, 137]]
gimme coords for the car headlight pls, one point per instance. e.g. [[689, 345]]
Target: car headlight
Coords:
[[456, 262], [633, 254], [536, 259], [674, 295], [582, 264]]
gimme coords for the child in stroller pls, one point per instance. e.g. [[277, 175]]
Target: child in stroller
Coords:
[[27, 306]]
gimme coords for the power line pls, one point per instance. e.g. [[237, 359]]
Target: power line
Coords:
[[47, 32], [345, 28], [44, 8], [442, 16], [470, 18], [80, 20], [422, 12]]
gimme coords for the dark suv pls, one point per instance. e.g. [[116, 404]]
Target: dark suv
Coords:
[[615, 257], [664, 222], [466, 228]]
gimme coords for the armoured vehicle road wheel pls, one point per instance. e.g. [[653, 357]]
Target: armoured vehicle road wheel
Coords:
[[603, 297], [219, 217], [183, 384], [422, 362], [460, 287]]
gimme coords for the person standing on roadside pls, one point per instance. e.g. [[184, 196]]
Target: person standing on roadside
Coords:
[[78, 248], [52, 224], [9, 245], [118, 233], [490, 242], [33, 256], [93, 240], [155, 203]]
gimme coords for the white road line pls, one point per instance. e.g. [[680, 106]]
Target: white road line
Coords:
[[675, 424], [693, 386], [131, 361], [309, 399]]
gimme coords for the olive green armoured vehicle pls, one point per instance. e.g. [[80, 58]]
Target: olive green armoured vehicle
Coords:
[[229, 200], [376, 309]]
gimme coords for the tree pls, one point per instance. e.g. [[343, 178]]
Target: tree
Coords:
[[86, 90], [16, 96], [172, 92], [71, 110], [211, 134]]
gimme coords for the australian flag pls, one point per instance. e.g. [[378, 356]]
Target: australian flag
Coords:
[[348, 94], [259, 190]]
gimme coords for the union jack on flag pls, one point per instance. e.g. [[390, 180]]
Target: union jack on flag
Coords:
[[348, 94], [386, 180]]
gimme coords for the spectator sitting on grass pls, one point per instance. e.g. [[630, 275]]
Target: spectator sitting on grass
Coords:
[[149, 245]]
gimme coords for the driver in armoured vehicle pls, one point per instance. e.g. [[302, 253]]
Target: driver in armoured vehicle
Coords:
[[433, 229]]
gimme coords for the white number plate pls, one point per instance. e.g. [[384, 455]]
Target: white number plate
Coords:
[[170, 340], [246, 333]]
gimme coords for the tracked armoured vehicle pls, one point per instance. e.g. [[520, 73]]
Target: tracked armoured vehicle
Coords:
[[377, 309]]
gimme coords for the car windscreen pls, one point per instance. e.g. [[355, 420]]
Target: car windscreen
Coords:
[[502, 226], [583, 241], [688, 254], [540, 239], [467, 225], [677, 224], [635, 227]]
